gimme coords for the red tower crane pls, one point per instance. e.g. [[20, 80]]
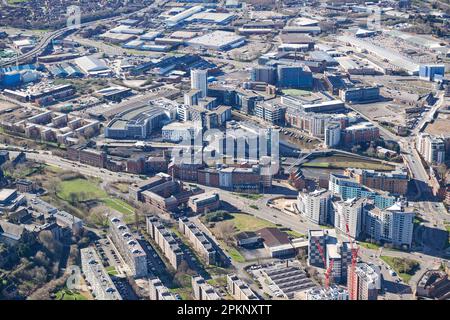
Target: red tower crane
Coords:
[[354, 260], [354, 251], [330, 267]]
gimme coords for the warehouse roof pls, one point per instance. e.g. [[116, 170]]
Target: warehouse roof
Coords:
[[216, 39], [90, 64], [215, 17]]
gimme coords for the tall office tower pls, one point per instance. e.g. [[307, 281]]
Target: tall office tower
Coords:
[[199, 81], [349, 213], [315, 206], [364, 283]]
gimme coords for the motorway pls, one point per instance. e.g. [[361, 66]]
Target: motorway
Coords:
[[47, 158]]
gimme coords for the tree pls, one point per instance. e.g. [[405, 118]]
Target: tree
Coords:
[[53, 187], [441, 170], [371, 151], [226, 230], [355, 149], [73, 198], [99, 216], [53, 246], [42, 259]]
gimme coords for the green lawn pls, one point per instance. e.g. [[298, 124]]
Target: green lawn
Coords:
[[246, 222], [119, 205], [112, 271], [234, 253], [369, 245], [218, 281], [16, 1], [79, 186], [66, 294], [405, 268], [185, 293], [295, 234], [91, 191], [250, 196], [296, 92], [53, 168]]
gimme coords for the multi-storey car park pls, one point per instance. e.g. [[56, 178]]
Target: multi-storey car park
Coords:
[[138, 122]]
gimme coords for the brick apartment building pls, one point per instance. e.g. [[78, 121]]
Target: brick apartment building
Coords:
[[395, 182], [361, 132], [87, 156]]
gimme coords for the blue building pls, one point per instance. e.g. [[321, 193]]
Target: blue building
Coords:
[[348, 188], [432, 72], [296, 77], [12, 76], [10, 79]]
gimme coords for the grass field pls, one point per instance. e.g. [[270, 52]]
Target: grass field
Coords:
[[369, 245], [78, 186], [296, 92], [112, 271], [119, 205], [185, 293], [250, 196], [16, 1], [218, 281], [246, 222], [92, 192], [447, 227], [295, 234], [66, 294], [405, 268]]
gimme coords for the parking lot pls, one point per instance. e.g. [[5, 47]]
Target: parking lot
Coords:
[[109, 255]]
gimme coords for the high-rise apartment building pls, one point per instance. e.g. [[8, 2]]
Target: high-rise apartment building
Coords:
[[199, 81], [431, 148], [349, 214], [364, 282], [394, 224], [315, 206]]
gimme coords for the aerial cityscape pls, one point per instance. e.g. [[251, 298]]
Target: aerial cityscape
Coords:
[[225, 150]]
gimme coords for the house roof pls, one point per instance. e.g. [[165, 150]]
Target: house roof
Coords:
[[245, 235], [273, 237]]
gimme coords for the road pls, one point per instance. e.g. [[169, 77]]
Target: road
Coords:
[[49, 37], [47, 158]]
